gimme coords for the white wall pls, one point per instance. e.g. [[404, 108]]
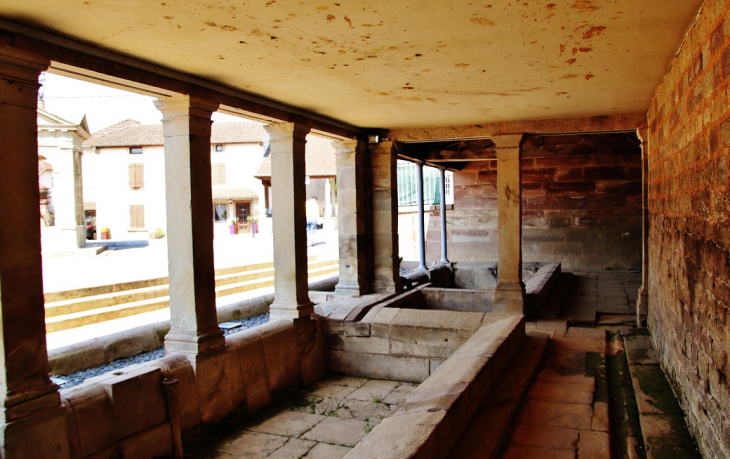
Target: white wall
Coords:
[[114, 195], [106, 176], [58, 149]]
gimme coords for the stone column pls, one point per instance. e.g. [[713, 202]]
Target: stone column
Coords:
[[442, 182], [34, 424], [642, 303], [386, 261], [421, 217], [79, 198], [186, 125], [351, 218], [291, 289], [509, 294]]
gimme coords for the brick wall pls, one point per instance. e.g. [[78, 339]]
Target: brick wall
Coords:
[[689, 205], [581, 204]]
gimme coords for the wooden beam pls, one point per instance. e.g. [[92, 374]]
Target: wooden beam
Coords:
[[613, 123]]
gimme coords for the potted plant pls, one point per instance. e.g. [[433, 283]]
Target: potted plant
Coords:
[[233, 227], [106, 233], [254, 222]]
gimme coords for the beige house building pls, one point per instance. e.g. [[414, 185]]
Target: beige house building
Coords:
[[124, 180], [321, 176], [591, 133]]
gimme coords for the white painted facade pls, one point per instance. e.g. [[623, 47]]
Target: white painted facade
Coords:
[[107, 184], [60, 147]]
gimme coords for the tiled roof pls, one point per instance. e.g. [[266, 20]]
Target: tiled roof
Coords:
[[130, 133], [319, 159]]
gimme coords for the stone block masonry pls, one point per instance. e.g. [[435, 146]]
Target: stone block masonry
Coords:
[[689, 231], [581, 204]]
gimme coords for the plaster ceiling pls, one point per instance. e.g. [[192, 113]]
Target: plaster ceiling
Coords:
[[390, 64]]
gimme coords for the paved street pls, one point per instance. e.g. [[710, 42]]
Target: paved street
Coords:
[[67, 268]]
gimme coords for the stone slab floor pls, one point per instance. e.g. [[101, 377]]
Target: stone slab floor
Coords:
[[564, 414], [565, 411], [324, 421]]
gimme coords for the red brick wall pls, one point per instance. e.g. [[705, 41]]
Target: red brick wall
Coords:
[[689, 205], [581, 204]]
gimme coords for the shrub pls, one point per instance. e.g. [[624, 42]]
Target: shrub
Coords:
[[159, 233]]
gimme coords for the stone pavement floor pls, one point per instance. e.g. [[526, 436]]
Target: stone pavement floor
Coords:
[[601, 292], [565, 411], [324, 421]]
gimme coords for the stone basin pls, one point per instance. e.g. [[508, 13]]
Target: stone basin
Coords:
[[469, 287]]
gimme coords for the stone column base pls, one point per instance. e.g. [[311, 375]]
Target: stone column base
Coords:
[[80, 236], [285, 309], [350, 289], [188, 343], [509, 298], [41, 436]]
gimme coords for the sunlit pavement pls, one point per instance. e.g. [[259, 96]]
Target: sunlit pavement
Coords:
[[72, 269]]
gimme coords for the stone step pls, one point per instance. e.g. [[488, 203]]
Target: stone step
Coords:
[[234, 278], [60, 322], [238, 282], [94, 316], [489, 426], [88, 303], [661, 419], [52, 297]]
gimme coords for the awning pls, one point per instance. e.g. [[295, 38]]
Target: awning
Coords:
[[233, 193]]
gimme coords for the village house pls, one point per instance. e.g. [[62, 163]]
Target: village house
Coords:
[[572, 303], [124, 179]]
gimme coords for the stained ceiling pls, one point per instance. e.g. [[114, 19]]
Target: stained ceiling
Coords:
[[391, 64]]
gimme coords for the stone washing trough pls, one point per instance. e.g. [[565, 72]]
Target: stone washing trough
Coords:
[[469, 287]]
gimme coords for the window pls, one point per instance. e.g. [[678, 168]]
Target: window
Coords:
[[136, 217], [136, 176], [449, 176], [219, 147], [219, 174], [220, 212], [407, 183], [135, 150]]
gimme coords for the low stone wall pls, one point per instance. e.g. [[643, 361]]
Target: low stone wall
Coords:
[[100, 351], [433, 417], [124, 413], [372, 338]]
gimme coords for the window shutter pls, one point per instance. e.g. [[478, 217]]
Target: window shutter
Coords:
[[218, 172], [136, 176], [136, 216], [139, 175], [132, 176]]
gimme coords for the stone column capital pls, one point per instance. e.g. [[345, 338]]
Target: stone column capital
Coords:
[[285, 131], [21, 68], [386, 146], [185, 106], [345, 147], [507, 141]]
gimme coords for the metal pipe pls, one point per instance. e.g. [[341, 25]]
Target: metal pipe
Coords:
[[421, 218], [442, 177]]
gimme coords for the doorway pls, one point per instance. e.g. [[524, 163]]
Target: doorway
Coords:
[[242, 211]]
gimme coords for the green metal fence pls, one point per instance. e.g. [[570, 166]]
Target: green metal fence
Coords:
[[431, 187]]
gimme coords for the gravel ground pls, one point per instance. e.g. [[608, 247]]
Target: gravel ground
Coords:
[[74, 379]]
